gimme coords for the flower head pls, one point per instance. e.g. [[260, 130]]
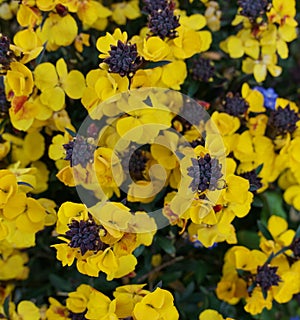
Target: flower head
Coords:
[[163, 23], [123, 59], [6, 55], [267, 277], [84, 234], [283, 120], [206, 173], [235, 105], [252, 9], [254, 180], [202, 69], [80, 151]]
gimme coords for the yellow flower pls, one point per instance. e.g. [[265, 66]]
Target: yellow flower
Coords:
[[56, 311], [213, 15], [54, 82], [254, 98], [282, 236], [154, 49], [22, 112], [67, 212], [27, 44], [81, 40], [221, 231], [115, 267], [108, 171], [27, 213], [242, 43], [163, 149], [256, 302], [210, 314], [27, 310], [103, 43], [6, 12], [190, 41], [283, 13], [100, 307], [101, 85], [143, 123], [156, 305], [236, 189], [114, 216], [50, 208], [174, 74], [58, 31], [12, 266], [65, 253], [125, 10], [28, 150], [77, 301], [92, 13], [45, 5], [8, 186], [260, 67], [27, 16], [127, 297], [292, 196], [19, 79], [288, 286]]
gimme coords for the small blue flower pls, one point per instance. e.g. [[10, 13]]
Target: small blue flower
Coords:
[[295, 318], [198, 244], [270, 97]]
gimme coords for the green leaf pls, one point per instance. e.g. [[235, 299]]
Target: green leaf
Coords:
[[138, 251], [264, 230], [193, 88], [71, 132], [274, 203], [6, 307], [159, 285], [59, 283], [201, 270], [297, 234], [155, 64], [166, 245], [257, 202], [258, 169], [249, 239]]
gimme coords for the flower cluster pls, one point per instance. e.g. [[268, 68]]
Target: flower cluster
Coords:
[[266, 30], [261, 276], [140, 141], [129, 302], [101, 243]]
